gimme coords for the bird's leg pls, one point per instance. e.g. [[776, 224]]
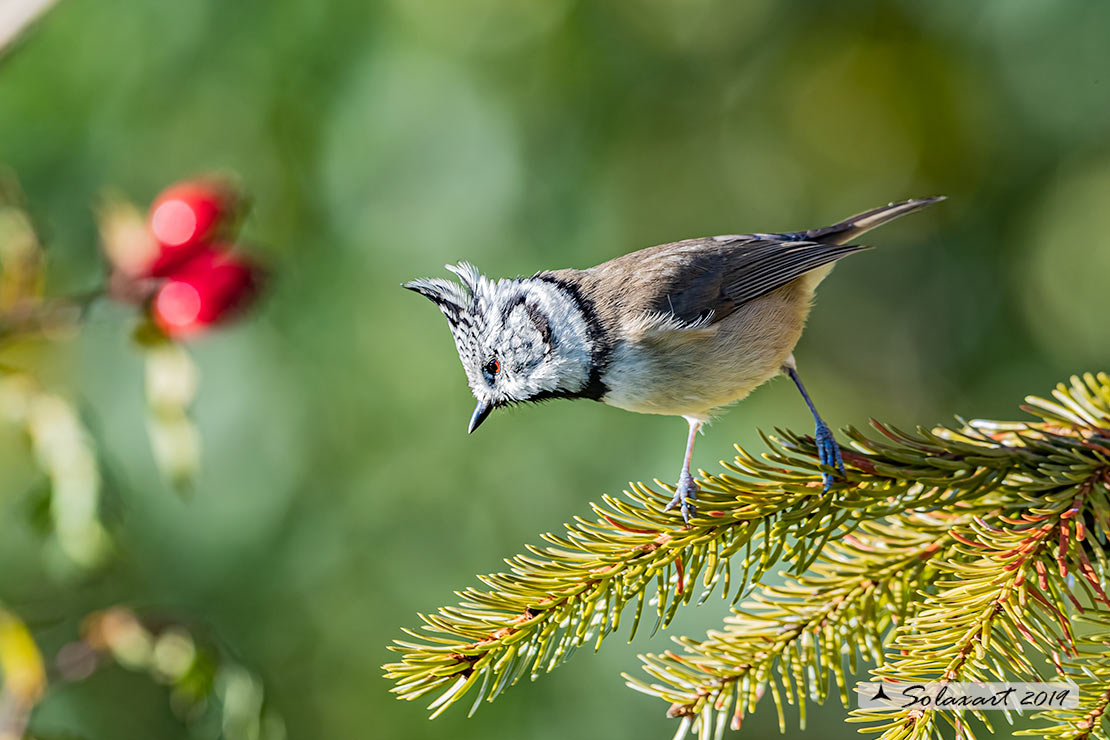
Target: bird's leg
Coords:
[[687, 489], [828, 451]]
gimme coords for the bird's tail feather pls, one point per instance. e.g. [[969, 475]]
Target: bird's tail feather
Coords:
[[850, 228]]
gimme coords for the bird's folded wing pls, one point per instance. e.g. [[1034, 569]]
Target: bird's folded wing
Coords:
[[696, 282], [757, 268], [701, 281]]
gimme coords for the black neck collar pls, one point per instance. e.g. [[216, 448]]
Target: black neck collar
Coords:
[[600, 342]]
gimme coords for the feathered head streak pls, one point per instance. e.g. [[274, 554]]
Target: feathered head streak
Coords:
[[463, 305], [453, 299]]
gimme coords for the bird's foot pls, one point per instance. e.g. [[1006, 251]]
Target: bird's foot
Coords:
[[684, 496], [828, 452]]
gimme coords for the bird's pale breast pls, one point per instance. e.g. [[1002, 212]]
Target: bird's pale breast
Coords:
[[692, 371]]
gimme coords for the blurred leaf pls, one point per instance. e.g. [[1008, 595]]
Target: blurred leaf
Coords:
[[21, 263], [203, 681], [24, 676], [62, 449], [171, 386], [125, 237]]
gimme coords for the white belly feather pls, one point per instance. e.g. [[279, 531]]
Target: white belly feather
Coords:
[[662, 367]]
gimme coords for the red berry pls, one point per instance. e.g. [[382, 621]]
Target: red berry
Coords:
[[210, 288], [184, 217]]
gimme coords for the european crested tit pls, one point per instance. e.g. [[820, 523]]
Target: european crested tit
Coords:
[[681, 329]]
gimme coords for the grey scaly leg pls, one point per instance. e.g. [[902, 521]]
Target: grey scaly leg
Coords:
[[687, 489], [828, 451]]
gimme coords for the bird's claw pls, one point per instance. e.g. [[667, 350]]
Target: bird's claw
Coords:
[[828, 452], [684, 496]]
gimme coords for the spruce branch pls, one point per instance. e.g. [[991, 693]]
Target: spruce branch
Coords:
[[861, 585], [1011, 584], [1090, 670], [942, 555]]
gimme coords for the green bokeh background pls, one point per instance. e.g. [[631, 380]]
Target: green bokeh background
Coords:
[[340, 493]]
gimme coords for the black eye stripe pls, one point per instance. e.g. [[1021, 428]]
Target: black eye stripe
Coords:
[[534, 314], [540, 320]]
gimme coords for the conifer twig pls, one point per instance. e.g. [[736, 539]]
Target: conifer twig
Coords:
[[943, 555]]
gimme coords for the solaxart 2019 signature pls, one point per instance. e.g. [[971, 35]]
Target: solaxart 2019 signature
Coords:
[[954, 696]]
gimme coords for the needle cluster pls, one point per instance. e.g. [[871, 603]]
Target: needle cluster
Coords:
[[965, 553]]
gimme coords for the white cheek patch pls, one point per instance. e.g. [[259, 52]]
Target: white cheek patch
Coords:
[[568, 365], [568, 325]]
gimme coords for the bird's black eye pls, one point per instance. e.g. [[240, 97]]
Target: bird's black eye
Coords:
[[492, 367]]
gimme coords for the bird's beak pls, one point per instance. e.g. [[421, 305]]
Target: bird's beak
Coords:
[[481, 411]]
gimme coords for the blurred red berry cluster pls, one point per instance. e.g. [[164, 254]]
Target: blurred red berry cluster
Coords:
[[180, 261]]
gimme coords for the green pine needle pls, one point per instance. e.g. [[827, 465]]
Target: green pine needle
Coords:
[[948, 554]]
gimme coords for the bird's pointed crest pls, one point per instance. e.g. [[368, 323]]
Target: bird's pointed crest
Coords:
[[453, 299]]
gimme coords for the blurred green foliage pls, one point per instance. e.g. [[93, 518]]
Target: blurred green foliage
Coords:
[[339, 493]]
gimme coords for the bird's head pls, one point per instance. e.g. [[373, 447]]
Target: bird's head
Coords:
[[524, 339]]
